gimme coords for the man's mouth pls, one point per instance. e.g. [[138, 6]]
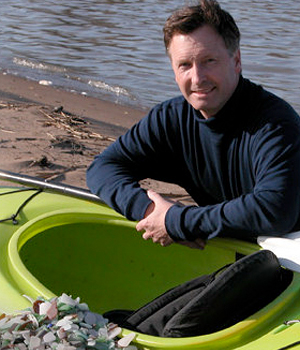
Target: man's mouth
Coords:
[[203, 91]]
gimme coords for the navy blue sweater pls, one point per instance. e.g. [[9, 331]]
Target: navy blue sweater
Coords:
[[242, 166]]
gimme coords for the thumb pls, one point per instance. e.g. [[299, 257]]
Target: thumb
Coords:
[[153, 195]]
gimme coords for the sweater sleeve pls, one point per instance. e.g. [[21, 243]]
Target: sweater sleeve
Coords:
[[114, 178], [116, 184], [115, 174], [272, 208]]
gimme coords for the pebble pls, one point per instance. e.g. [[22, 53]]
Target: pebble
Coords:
[[124, 342], [45, 82]]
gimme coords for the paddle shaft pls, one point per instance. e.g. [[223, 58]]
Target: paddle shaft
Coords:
[[30, 181]]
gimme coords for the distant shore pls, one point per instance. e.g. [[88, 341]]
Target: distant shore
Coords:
[[54, 134]]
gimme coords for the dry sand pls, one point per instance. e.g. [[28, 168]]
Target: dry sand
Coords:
[[54, 134]]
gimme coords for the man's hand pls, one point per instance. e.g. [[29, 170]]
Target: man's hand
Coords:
[[154, 222]]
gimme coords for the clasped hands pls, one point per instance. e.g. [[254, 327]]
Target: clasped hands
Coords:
[[153, 223]]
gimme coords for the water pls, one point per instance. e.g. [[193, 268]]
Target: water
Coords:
[[114, 48]]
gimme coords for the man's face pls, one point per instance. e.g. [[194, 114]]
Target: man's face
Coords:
[[206, 73]]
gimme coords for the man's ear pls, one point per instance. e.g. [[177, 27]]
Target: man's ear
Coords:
[[238, 61]]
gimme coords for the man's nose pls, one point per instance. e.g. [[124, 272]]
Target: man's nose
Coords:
[[198, 73]]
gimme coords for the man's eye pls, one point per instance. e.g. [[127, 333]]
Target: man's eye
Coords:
[[184, 65], [210, 60]]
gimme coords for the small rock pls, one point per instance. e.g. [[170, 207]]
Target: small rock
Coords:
[[45, 82], [124, 342]]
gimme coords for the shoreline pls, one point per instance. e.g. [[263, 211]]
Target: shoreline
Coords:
[[54, 134], [17, 89]]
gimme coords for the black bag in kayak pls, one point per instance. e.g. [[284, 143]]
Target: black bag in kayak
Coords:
[[211, 302]]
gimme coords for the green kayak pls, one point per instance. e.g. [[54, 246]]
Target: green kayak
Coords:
[[56, 241]]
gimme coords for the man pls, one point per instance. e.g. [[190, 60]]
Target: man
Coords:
[[231, 144]]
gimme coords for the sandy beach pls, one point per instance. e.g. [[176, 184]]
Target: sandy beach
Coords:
[[54, 134]]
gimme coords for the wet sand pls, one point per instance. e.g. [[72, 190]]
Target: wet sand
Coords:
[[54, 134]]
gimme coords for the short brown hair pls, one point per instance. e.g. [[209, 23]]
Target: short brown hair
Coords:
[[207, 12]]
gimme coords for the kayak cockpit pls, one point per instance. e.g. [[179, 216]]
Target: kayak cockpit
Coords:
[[104, 261]]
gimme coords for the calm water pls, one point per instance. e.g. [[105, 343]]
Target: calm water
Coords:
[[115, 47]]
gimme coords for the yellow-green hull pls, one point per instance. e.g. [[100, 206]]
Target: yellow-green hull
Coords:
[[64, 244]]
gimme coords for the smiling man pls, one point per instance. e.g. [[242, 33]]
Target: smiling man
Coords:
[[234, 146]]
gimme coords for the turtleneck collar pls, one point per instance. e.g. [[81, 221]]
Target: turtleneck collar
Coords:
[[227, 114]]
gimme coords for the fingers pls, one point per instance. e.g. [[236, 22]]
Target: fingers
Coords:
[[166, 240], [147, 235], [163, 241], [140, 225]]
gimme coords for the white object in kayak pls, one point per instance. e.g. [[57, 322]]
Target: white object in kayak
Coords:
[[286, 248]]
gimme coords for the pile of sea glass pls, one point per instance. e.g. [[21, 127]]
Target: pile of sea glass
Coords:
[[61, 323]]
